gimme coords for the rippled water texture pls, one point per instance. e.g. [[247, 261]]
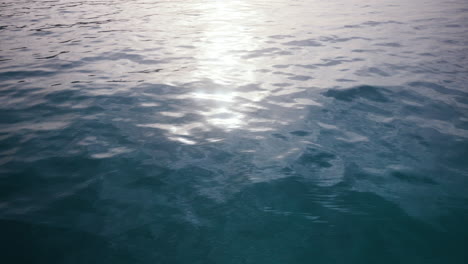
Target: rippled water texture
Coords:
[[235, 131]]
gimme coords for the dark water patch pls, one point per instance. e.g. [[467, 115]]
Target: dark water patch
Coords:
[[412, 178], [281, 36], [453, 26], [300, 78], [337, 39], [307, 66], [367, 50], [52, 56], [389, 44], [280, 136], [377, 71], [9, 75], [329, 63], [300, 133], [368, 92], [281, 66], [44, 244], [147, 71], [345, 80], [317, 158], [305, 43]]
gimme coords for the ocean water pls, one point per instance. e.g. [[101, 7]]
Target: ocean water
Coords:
[[233, 131]]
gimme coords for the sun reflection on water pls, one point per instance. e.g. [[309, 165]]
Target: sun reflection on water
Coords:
[[226, 32], [219, 61], [223, 83]]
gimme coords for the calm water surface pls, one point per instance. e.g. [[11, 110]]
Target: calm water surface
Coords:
[[234, 131]]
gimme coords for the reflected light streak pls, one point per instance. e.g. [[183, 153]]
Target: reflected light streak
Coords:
[[219, 61], [226, 32]]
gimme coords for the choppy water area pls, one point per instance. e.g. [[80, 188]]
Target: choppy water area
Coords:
[[204, 131]]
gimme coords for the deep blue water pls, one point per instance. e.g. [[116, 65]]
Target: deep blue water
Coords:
[[222, 131]]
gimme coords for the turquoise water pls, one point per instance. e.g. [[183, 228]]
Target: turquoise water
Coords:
[[210, 131]]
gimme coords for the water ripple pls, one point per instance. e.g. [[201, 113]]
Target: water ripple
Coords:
[[130, 129]]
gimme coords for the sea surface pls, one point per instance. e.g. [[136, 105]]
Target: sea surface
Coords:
[[234, 131]]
